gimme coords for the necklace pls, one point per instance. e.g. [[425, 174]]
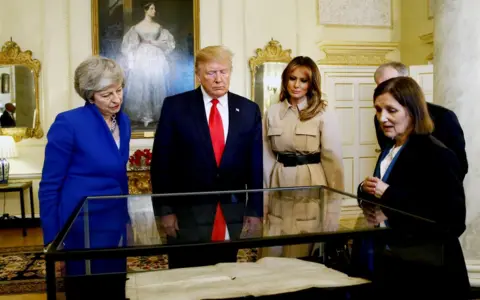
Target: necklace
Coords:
[[114, 124]]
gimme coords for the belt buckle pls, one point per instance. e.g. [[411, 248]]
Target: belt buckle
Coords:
[[291, 160]]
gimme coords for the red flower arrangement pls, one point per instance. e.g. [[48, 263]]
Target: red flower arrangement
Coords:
[[140, 159]]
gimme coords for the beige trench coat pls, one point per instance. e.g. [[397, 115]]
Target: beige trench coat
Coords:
[[301, 211]]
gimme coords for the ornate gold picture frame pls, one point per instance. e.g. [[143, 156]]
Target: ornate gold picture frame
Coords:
[[155, 43], [267, 63], [12, 55]]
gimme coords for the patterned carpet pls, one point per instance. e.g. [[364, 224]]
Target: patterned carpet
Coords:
[[22, 269]]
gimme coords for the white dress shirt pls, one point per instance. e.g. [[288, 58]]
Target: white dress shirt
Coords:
[[385, 163], [222, 107]]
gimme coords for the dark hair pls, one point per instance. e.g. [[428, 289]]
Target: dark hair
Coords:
[[314, 94], [408, 94], [147, 5]]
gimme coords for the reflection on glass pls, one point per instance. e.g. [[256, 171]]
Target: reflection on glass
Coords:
[[17, 104], [288, 212]]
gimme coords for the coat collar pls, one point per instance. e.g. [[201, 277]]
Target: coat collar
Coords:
[[122, 122], [286, 106], [207, 98]]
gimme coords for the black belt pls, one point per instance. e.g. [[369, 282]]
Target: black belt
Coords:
[[293, 159]]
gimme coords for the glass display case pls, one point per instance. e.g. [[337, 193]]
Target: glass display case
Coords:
[[313, 241]]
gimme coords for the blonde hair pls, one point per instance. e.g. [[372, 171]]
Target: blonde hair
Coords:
[[213, 54], [95, 74]]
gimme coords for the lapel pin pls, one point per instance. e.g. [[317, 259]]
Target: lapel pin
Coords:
[[237, 109]]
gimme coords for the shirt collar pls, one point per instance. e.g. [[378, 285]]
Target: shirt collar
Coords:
[[207, 98], [286, 106]]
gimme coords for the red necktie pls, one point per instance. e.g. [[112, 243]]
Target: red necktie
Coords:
[[218, 141]]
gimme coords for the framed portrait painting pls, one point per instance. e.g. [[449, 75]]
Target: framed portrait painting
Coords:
[[155, 43]]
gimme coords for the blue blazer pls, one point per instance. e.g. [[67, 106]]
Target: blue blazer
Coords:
[[82, 159]]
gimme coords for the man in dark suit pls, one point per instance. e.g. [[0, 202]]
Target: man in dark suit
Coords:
[[208, 139], [7, 119], [447, 129]]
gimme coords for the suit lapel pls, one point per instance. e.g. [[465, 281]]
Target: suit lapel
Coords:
[[124, 135], [201, 124], [234, 123]]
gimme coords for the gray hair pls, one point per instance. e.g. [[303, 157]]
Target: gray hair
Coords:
[[401, 69], [95, 74]]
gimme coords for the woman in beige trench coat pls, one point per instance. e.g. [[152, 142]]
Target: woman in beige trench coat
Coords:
[[302, 147]]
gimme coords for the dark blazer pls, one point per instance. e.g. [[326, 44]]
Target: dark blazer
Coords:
[[6, 120], [81, 160], [183, 161], [447, 130], [426, 181]]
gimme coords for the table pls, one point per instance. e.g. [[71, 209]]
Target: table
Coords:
[[20, 187]]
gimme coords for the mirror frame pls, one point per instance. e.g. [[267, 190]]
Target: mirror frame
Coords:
[[272, 52], [11, 54]]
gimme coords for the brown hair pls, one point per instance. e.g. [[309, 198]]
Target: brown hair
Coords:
[[213, 53], [408, 94], [315, 103]]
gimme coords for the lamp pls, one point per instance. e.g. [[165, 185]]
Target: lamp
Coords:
[[8, 149]]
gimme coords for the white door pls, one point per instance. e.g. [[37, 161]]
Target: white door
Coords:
[[423, 74], [350, 90]]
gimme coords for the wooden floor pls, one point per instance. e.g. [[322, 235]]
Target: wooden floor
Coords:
[[13, 238]]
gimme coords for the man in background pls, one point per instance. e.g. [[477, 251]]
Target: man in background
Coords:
[[208, 139], [447, 129], [8, 117]]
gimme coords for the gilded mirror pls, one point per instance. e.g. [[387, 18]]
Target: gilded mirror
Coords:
[[19, 94], [266, 72]]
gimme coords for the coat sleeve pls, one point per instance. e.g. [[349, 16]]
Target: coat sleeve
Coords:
[[268, 155], [58, 155], [449, 131], [331, 150], [332, 161], [440, 197], [163, 158], [255, 201]]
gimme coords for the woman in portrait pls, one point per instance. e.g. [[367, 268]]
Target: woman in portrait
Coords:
[[145, 48], [302, 147], [86, 155], [420, 176]]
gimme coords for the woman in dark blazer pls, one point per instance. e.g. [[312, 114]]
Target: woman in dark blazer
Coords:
[[420, 176], [86, 155]]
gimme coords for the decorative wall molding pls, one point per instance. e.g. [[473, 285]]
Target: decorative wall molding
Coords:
[[369, 13], [26, 176], [428, 39], [356, 53]]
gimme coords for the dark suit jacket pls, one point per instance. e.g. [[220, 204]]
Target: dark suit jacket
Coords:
[[6, 120], [426, 181], [183, 161], [447, 130]]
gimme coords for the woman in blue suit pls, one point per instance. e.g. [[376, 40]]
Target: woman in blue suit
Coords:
[[86, 155]]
